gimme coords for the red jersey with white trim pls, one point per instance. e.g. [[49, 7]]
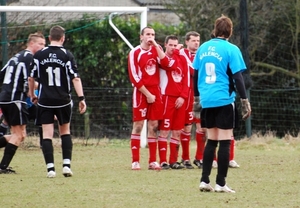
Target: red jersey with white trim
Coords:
[[143, 67], [174, 78], [189, 60]]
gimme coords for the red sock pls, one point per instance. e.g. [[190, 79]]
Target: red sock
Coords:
[[200, 140], [152, 145], [135, 147], [231, 151], [174, 149], [185, 138], [162, 149]]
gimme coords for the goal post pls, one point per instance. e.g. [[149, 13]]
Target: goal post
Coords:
[[90, 9]]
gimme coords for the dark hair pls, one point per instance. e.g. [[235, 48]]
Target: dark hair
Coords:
[[191, 33], [57, 32], [223, 27], [170, 37], [147, 27]]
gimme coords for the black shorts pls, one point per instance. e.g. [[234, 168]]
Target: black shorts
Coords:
[[223, 117], [46, 115], [15, 113], [32, 112]]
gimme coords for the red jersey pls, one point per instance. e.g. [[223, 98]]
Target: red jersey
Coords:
[[143, 67], [174, 77], [189, 60]]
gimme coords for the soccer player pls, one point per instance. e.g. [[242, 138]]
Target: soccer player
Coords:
[[147, 103], [220, 65], [55, 69], [14, 78], [174, 88], [192, 41]]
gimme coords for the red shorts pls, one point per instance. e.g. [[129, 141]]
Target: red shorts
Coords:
[[173, 118], [189, 117], [142, 110]]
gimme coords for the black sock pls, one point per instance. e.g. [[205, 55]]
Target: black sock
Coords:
[[208, 158], [3, 141], [8, 155], [48, 153], [3, 129], [41, 135], [67, 146], [223, 162]]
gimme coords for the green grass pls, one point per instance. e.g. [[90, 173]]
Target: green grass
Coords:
[[268, 177]]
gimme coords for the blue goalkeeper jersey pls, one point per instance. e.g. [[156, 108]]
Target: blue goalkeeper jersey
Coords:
[[216, 61]]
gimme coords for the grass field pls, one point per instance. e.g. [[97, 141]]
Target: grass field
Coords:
[[269, 176]]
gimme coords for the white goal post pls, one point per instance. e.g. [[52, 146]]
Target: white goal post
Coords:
[[90, 9]]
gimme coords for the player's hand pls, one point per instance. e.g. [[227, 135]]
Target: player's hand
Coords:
[[151, 41], [197, 107], [179, 46], [179, 102], [34, 99], [246, 109], [151, 98], [82, 106]]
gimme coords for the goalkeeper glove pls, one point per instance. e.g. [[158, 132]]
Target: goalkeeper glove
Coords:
[[246, 109], [197, 107]]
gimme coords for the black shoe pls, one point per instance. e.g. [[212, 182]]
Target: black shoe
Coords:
[[198, 163], [176, 165], [165, 166], [187, 164], [7, 171]]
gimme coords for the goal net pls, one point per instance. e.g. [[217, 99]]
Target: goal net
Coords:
[[109, 113]]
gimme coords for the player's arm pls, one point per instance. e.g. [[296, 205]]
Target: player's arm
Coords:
[[240, 86], [79, 91], [31, 94], [158, 48], [196, 106], [150, 97]]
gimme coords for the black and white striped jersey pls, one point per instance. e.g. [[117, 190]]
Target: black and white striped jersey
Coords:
[[54, 68], [14, 78]]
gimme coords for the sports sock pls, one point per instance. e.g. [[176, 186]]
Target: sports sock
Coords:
[[231, 152], [200, 140], [66, 146], [41, 135], [223, 161], [48, 154], [135, 147], [9, 152], [3, 141], [3, 129], [215, 156], [185, 138], [208, 157], [162, 149], [152, 145], [174, 149]]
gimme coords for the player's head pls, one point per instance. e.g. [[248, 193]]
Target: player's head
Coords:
[[36, 41], [171, 41], [57, 33], [223, 27], [147, 32], [192, 41]]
